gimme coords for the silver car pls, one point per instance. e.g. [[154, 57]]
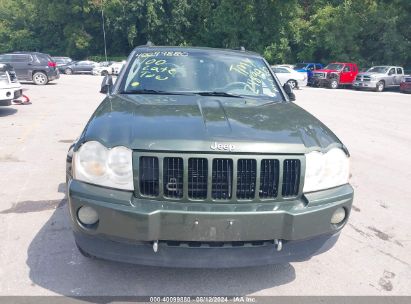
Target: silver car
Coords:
[[379, 77]]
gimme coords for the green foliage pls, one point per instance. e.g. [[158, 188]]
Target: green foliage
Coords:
[[368, 31]]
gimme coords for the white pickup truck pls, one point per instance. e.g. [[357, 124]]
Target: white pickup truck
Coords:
[[10, 88]]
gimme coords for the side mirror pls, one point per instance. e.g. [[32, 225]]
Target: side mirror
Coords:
[[106, 85], [289, 91]]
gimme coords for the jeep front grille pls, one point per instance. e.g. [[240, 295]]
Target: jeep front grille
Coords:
[[213, 178], [319, 75]]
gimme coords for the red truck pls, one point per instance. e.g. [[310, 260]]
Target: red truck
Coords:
[[335, 74]]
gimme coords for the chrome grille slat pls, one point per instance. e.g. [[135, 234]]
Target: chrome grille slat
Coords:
[[222, 178], [173, 177], [291, 177], [149, 176], [269, 177], [197, 178], [246, 178]]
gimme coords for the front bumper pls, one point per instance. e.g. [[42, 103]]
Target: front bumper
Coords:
[[364, 84], [8, 94], [128, 222], [321, 82]]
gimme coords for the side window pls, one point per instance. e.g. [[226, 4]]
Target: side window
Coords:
[[399, 71], [5, 58], [392, 71], [346, 68], [318, 67], [280, 70], [20, 58]]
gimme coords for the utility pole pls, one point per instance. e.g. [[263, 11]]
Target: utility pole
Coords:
[[104, 30]]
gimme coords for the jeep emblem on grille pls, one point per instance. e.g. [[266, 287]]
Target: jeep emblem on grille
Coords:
[[222, 147]]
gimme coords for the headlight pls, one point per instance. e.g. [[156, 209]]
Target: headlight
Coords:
[[94, 163], [323, 171]]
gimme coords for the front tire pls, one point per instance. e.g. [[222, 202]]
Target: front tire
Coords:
[[334, 84], [68, 71], [293, 84], [104, 73], [40, 78], [380, 86]]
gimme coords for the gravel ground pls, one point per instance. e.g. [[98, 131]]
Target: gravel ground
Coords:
[[38, 255]]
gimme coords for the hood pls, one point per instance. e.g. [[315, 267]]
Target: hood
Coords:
[[195, 123]]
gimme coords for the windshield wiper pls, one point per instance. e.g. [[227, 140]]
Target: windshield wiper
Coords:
[[216, 93], [154, 92]]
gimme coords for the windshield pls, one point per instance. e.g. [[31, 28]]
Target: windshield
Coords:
[[300, 66], [199, 72], [334, 66], [378, 69]]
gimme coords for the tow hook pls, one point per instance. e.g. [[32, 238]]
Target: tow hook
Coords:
[[155, 246], [278, 244]]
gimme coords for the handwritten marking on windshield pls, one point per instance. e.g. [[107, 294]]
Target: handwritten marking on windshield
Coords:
[[158, 69], [255, 75]]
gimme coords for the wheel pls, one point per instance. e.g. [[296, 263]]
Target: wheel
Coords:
[[40, 78], [84, 253], [380, 86], [104, 73], [68, 71], [334, 84], [293, 84]]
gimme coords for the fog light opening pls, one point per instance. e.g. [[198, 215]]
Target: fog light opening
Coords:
[[87, 216], [338, 216]]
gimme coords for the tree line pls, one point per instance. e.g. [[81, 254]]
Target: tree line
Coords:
[[368, 32]]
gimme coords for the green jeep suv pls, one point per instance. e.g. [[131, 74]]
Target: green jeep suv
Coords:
[[198, 158]]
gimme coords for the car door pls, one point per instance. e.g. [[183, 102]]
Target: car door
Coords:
[[398, 76], [80, 67], [390, 80], [23, 65], [346, 74]]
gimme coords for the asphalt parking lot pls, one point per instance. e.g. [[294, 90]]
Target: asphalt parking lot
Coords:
[[37, 251]]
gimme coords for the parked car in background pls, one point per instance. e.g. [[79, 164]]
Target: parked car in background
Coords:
[[309, 68], [108, 68], [293, 78], [61, 61], [10, 88], [32, 66], [79, 67], [405, 85], [103, 68], [335, 74], [117, 66], [379, 77]]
